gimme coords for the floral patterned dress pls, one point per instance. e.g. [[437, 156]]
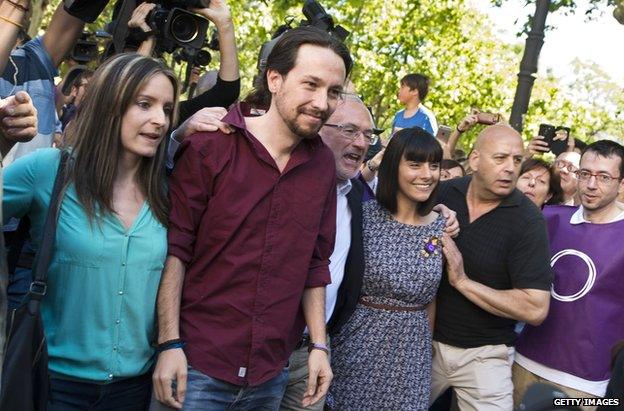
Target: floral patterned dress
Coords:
[[381, 358]]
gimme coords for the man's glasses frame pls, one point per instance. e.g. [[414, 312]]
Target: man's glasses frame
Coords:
[[561, 164], [601, 178], [351, 132]]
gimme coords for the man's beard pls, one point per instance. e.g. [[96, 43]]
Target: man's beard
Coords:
[[303, 132]]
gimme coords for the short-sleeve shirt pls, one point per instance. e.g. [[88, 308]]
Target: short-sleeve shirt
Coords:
[[506, 248], [35, 75], [99, 311], [423, 118], [252, 238]]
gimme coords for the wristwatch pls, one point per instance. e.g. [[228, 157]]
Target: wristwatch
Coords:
[[370, 167]]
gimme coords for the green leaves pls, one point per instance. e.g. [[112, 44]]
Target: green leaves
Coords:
[[452, 43]]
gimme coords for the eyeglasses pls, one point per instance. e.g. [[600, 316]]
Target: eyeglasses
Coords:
[[352, 133], [560, 164], [601, 178]]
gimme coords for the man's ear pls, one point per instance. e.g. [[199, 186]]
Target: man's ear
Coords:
[[274, 80], [473, 160], [621, 187]]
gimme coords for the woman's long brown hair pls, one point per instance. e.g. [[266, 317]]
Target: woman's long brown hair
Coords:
[[95, 136]]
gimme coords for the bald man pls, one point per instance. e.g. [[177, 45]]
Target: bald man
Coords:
[[497, 273]]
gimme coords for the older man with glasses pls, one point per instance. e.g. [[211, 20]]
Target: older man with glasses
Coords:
[[572, 347]]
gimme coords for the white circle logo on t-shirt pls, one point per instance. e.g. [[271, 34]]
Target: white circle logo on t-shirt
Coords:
[[591, 275]]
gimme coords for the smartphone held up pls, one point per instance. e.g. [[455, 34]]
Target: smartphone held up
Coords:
[[557, 137]]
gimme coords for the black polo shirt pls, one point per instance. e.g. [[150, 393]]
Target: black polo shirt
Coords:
[[505, 248]]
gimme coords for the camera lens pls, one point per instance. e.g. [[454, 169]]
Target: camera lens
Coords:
[[184, 28], [203, 58]]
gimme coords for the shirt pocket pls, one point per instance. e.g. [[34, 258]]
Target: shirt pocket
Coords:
[[79, 244]]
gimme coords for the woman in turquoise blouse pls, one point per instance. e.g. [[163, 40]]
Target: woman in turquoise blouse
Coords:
[[99, 310]]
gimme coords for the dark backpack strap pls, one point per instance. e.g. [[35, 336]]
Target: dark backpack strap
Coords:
[[46, 249]]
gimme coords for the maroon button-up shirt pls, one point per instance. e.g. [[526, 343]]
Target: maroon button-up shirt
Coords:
[[252, 239]]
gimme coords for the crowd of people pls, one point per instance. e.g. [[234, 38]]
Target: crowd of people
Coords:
[[276, 253]]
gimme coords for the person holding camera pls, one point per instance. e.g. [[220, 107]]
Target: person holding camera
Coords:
[[110, 245], [227, 88], [565, 166]]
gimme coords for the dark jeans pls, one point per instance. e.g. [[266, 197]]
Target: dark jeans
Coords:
[[130, 394], [206, 393]]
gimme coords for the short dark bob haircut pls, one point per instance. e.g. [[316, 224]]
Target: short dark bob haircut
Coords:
[[413, 144], [554, 185]]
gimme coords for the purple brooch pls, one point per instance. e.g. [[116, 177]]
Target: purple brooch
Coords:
[[432, 245]]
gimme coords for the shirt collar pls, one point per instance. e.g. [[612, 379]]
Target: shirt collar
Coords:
[[236, 116], [579, 218], [301, 154], [344, 187]]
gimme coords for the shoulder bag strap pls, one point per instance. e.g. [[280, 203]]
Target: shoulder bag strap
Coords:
[[46, 249]]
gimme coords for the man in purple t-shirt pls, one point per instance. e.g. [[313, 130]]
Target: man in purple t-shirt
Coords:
[[572, 347], [252, 227]]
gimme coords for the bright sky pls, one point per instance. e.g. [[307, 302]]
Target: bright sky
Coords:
[[599, 40]]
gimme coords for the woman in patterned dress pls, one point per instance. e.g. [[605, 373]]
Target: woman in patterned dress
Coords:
[[381, 358]]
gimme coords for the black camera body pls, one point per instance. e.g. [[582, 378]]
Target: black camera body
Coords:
[[85, 49], [195, 58], [177, 27]]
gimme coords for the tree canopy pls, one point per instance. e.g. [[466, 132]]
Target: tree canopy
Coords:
[[449, 41]]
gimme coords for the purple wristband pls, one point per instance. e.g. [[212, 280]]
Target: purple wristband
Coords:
[[318, 346]]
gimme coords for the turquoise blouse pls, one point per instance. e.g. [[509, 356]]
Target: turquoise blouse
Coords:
[[99, 312]]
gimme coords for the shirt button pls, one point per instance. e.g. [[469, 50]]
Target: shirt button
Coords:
[[123, 264], [115, 348], [120, 293], [110, 376], [117, 322]]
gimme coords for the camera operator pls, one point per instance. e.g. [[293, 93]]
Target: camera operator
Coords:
[[227, 88]]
